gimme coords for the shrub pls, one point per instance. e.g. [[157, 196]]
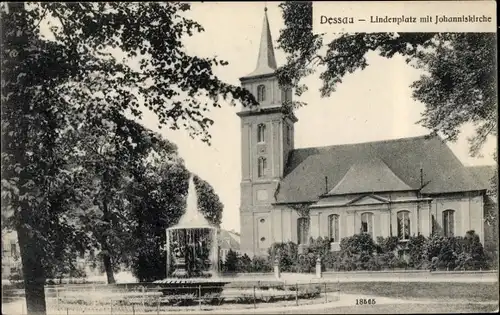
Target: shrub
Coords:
[[309, 292], [432, 247], [213, 298], [331, 260], [181, 299], [358, 243], [244, 263], [415, 248], [287, 254], [231, 264], [387, 244], [245, 298], [472, 255], [260, 264], [386, 260]]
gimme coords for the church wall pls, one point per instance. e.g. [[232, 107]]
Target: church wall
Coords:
[[384, 215], [262, 226], [476, 216], [424, 219], [246, 200], [277, 226], [287, 224], [314, 225], [276, 150], [247, 231], [343, 199], [257, 193], [246, 133], [468, 214], [385, 227]]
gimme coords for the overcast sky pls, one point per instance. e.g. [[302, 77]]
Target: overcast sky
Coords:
[[373, 104]]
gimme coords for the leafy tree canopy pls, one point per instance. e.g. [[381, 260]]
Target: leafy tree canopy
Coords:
[[56, 87]]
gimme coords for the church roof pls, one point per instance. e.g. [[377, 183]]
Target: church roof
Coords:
[[228, 240], [483, 174], [391, 165], [266, 62], [369, 173]]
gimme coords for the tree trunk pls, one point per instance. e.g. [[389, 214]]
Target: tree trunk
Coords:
[[108, 267], [106, 259], [33, 273]]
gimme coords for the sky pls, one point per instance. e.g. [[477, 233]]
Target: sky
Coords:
[[370, 105]]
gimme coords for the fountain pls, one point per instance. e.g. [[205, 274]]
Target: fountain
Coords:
[[192, 252]]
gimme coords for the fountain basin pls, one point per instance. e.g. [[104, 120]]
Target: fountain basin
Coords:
[[194, 286]]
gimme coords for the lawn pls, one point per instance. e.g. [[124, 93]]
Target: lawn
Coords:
[[442, 291], [403, 309]]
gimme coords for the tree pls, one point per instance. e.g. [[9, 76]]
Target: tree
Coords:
[[159, 203], [459, 81], [51, 85], [111, 154], [208, 201]]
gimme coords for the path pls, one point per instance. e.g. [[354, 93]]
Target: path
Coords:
[[345, 300]]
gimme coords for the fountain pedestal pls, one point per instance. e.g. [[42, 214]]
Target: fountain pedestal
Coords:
[[180, 268]]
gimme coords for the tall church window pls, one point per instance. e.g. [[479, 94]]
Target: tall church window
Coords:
[[449, 222], [404, 225], [261, 166], [261, 93], [333, 228], [261, 133], [302, 230], [367, 223]]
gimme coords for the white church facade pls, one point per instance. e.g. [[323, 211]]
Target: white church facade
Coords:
[[399, 187]]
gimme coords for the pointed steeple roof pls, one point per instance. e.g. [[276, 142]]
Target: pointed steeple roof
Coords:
[[266, 63]]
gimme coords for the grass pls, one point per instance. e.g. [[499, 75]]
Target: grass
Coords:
[[404, 309], [442, 291]]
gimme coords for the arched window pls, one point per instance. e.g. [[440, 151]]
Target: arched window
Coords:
[[333, 228], [261, 93], [261, 133], [261, 166], [404, 225], [302, 230], [367, 223], [449, 222]]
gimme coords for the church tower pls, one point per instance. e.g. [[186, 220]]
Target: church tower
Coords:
[[267, 137]]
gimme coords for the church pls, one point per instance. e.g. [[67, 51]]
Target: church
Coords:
[[400, 187]]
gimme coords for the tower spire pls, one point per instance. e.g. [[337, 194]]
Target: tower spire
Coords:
[[266, 62]]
